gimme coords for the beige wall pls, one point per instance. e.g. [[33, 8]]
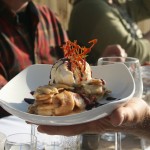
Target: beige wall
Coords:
[[145, 25], [61, 7]]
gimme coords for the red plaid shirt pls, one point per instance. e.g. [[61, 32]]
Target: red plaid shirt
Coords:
[[20, 48]]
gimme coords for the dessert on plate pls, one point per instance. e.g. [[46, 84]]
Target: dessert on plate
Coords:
[[71, 88]]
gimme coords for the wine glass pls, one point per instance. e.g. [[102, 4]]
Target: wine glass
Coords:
[[33, 128], [20, 141], [133, 65]]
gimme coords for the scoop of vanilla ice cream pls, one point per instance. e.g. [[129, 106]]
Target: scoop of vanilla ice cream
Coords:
[[61, 73]]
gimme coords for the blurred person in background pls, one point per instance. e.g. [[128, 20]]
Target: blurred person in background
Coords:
[[29, 34], [111, 22]]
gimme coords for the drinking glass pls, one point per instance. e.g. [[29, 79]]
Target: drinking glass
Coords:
[[20, 141], [55, 142], [133, 65], [33, 130], [61, 142]]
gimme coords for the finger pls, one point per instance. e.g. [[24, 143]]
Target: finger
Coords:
[[117, 117], [124, 116], [120, 51], [128, 114]]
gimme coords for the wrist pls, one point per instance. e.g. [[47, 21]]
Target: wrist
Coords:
[[144, 126]]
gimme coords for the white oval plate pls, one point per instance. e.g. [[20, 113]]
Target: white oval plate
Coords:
[[117, 76]]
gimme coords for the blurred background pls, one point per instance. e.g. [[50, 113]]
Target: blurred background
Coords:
[[63, 8]]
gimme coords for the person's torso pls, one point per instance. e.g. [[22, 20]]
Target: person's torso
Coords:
[[25, 44]]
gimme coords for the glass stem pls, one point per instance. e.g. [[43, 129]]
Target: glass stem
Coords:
[[32, 136], [32, 129], [118, 141]]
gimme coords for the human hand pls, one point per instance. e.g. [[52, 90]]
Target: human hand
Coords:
[[114, 50], [132, 113]]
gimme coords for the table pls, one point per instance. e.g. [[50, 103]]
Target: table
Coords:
[[12, 124]]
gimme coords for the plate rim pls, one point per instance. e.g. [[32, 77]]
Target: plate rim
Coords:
[[72, 115]]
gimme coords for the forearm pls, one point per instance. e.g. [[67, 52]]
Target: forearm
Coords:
[[144, 127]]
